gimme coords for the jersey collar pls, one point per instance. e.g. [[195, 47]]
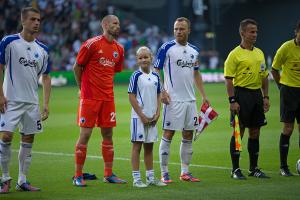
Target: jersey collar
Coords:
[[247, 49], [150, 71], [296, 42], [106, 40], [19, 34]]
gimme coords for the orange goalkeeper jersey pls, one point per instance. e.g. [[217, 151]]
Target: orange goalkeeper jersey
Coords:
[[100, 59]]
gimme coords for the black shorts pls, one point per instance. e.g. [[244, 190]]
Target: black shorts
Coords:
[[289, 104], [251, 113]]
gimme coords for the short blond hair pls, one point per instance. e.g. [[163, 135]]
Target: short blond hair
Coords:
[[143, 48], [26, 10], [244, 23], [184, 19]]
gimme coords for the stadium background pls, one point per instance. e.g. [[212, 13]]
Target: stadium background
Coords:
[[66, 23]]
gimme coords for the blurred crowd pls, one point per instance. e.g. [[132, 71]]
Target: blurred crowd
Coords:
[[67, 23]]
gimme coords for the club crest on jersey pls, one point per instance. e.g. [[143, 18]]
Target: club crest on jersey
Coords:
[[2, 124], [82, 120], [36, 55], [262, 67], [115, 54], [192, 56]]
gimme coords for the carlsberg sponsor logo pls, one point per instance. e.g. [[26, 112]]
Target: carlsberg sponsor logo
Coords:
[[28, 63], [182, 63]]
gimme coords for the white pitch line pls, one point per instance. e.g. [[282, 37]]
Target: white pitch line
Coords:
[[127, 159]]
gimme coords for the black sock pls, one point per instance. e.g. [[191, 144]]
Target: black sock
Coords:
[[284, 144], [253, 149], [235, 155]]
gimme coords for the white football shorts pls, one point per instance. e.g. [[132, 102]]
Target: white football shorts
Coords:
[[180, 116], [24, 115], [141, 133]]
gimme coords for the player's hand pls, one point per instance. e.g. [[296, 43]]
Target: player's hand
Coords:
[[146, 121], [165, 98], [45, 113], [266, 105], [235, 108], [205, 101], [154, 120], [3, 104]]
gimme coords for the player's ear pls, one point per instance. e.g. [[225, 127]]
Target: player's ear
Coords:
[[23, 20], [189, 30], [241, 33]]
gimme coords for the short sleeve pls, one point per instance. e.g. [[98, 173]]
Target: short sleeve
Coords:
[[279, 59], [83, 54], [230, 66], [160, 58], [48, 66], [120, 64], [2, 52], [158, 82], [132, 88]]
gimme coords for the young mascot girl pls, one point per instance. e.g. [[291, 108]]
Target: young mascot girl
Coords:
[[144, 96]]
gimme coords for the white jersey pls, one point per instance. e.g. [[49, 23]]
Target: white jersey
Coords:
[[146, 87], [24, 63], [178, 63]]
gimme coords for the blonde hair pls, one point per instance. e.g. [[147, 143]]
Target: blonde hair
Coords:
[[26, 10], [184, 19], [143, 48]]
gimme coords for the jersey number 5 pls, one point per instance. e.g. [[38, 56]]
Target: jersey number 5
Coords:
[[39, 125]]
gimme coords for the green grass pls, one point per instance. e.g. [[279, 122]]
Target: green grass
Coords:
[[53, 172]]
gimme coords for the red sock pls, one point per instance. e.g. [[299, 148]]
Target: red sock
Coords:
[[108, 156], [80, 155]]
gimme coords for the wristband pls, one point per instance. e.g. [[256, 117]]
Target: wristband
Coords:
[[266, 97], [232, 99]]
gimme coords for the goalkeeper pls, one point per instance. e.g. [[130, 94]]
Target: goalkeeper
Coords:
[[247, 87]]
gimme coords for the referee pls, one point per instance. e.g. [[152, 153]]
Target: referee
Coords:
[[246, 80], [287, 59]]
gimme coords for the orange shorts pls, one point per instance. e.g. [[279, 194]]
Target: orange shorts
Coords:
[[97, 113]]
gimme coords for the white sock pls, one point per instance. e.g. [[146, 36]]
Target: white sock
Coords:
[[5, 155], [186, 153], [164, 155], [24, 161], [136, 175], [150, 175]]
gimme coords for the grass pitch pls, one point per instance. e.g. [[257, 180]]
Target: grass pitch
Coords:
[[53, 161]]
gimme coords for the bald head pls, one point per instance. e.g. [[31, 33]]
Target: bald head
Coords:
[[108, 19], [111, 26]]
